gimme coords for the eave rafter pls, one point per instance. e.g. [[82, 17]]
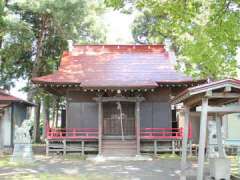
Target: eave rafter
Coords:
[[221, 109], [222, 95], [55, 88]]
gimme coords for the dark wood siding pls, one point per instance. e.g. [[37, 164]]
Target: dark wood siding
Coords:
[[155, 110], [155, 114], [20, 113], [146, 115], [82, 115]]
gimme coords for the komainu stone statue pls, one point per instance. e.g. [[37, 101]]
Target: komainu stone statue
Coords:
[[22, 151], [212, 139]]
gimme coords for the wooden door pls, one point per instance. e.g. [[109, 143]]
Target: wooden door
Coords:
[[112, 120]]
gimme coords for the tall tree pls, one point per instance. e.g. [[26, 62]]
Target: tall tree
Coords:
[[2, 24], [205, 34], [38, 34]]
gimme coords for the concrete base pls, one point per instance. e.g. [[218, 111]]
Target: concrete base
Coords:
[[100, 158], [220, 168], [22, 153]]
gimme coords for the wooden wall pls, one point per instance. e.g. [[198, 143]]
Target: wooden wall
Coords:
[[13, 115], [5, 127], [155, 110], [82, 115]]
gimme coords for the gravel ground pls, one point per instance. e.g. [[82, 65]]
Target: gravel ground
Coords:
[[131, 170]]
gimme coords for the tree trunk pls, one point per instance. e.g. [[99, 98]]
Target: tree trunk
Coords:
[[1, 144], [1, 133], [57, 109], [54, 112], [36, 72], [46, 118], [36, 130]]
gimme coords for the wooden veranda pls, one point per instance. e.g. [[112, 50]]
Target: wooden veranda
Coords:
[[58, 138]]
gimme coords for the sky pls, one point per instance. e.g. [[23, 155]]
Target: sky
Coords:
[[118, 27]]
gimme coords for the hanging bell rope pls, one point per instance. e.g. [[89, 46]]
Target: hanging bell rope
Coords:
[[119, 107]]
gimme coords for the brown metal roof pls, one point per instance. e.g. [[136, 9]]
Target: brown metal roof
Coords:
[[115, 66], [203, 88], [6, 98]]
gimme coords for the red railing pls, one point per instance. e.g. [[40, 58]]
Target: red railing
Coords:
[[92, 133], [163, 133], [72, 133]]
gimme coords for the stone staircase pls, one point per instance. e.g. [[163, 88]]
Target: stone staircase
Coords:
[[119, 147]]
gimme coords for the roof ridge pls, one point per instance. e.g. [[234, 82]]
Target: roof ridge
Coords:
[[154, 48], [139, 45]]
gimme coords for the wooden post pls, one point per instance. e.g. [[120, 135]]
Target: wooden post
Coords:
[[155, 147], [202, 138], [83, 150], [185, 137], [64, 147], [173, 147], [137, 115], [100, 127], [190, 147], [47, 147], [219, 136]]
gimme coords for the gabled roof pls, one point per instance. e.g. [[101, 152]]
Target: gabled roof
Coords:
[[7, 98], [115, 66], [216, 86]]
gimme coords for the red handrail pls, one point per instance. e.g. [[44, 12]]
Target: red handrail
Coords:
[[164, 133], [72, 133]]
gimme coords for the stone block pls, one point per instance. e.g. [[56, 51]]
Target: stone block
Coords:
[[220, 168]]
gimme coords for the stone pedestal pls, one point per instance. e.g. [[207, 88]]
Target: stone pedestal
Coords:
[[238, 157], [22, 153], [220, 168]]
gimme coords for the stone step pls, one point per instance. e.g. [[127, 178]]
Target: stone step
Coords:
[[123, 145], [119, 147], [113, 142], [119, 152]]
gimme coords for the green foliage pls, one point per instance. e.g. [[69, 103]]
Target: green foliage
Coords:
[[205, 34], [36, 33], [2, 14], [115, 3], [33, 36]]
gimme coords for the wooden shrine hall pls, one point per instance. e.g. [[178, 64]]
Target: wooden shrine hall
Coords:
[[117, 100]]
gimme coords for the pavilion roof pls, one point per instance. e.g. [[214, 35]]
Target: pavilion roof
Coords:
[[217, 92], [99, 66], [6, 98]]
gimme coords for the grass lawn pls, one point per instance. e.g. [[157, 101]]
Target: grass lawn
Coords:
[[167, 156], [234, 166], [5, 162]]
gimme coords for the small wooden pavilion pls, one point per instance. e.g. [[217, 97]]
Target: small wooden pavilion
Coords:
[[117, 96], [212, 99], [13, 111]]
